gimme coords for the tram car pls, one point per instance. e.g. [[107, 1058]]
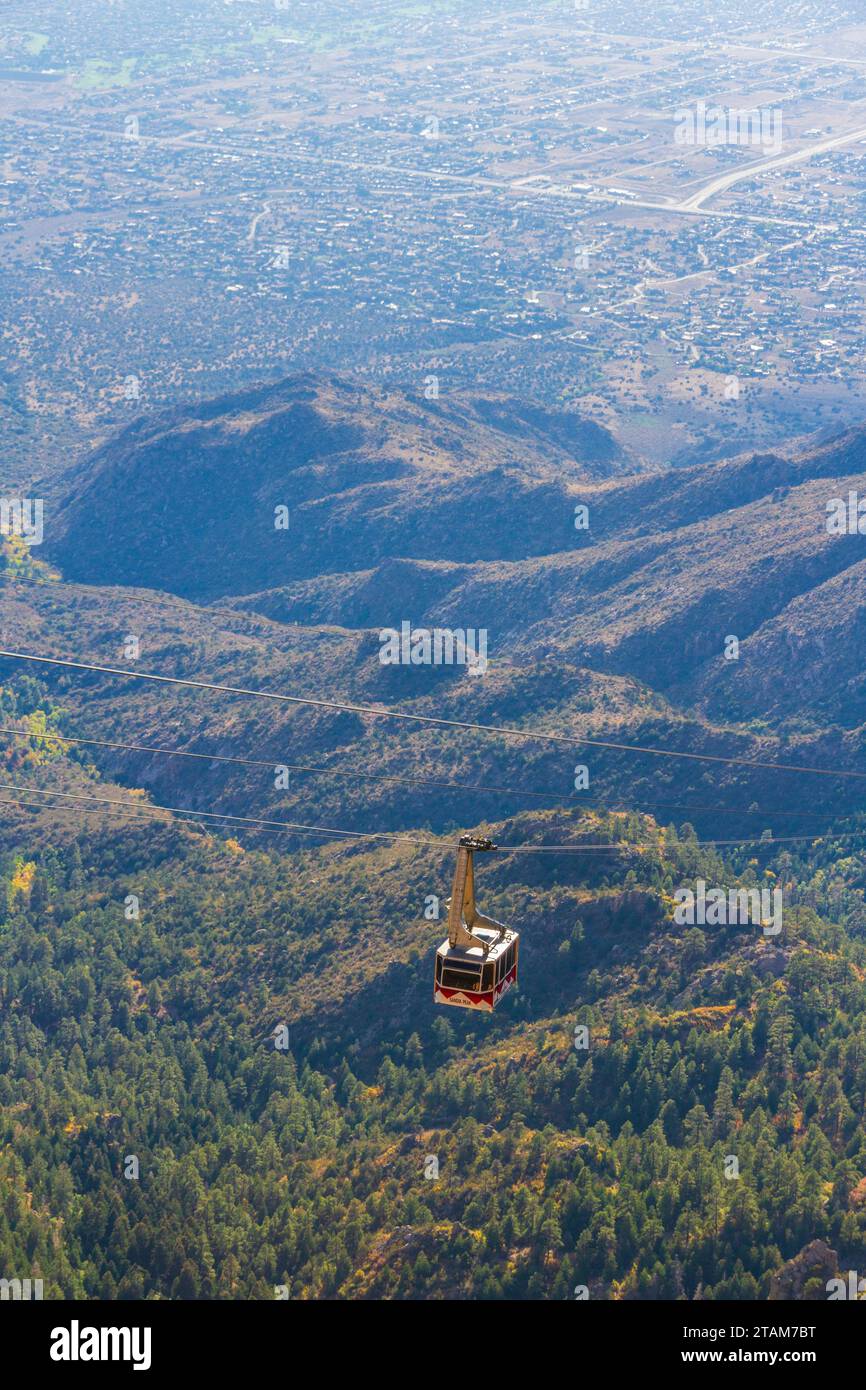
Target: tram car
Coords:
[[477, 964]]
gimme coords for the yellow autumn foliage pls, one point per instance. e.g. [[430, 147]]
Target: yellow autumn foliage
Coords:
[[22, 878]]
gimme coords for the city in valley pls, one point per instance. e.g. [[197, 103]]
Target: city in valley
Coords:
[[661, 224]]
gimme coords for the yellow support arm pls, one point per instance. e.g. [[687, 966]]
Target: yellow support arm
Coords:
[[463, 915]]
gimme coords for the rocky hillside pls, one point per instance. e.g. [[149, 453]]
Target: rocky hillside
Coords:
[[707, 609], [186, 501]]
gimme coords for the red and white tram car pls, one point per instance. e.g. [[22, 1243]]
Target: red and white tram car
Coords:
[[477, 964]]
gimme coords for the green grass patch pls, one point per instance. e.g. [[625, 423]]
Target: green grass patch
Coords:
[[97, 74]]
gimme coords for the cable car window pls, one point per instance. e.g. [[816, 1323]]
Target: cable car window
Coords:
[[487, 977], [466, 967], [460, 979]]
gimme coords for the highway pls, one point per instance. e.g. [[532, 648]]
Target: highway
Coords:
[[764, 166]]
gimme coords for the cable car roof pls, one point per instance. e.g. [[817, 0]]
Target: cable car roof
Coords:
[[473, 953]]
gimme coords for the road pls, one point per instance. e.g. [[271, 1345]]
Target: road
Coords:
[[465, 183], [764, 166]]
